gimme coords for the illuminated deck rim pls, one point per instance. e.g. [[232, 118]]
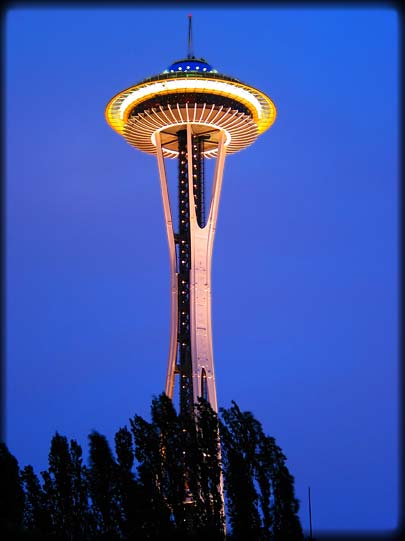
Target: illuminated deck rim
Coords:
[[261, 106]]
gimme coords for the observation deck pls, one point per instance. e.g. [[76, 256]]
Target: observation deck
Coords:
[[190, 91]]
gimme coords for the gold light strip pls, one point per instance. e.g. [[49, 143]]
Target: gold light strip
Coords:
[[261, 106]]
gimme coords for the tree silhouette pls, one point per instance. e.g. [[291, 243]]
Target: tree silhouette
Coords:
[[239, 440], [58, 487], [210, 473], [103, 491], [157, 485], [164, 483], [36, 518], [179, 469], [129, 490], [260, 490], [11, 493], [286, 524], [172, 483], [60, 507], [81, 526]]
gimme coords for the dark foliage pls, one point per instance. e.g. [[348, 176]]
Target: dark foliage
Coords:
[[36, 518], [129, 491], [103, 488], [258, 485], [239, 444], [11, 493], [164, 482]]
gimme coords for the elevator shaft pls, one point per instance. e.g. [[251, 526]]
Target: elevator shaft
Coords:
[[184, 364]]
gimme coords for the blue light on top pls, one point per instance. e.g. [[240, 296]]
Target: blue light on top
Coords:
[[190, 65]]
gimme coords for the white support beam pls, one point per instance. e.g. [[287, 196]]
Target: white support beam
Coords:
[[171, 365]]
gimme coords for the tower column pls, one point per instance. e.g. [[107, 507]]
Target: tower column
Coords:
[[171, 365], [199, 378], [201, 241]]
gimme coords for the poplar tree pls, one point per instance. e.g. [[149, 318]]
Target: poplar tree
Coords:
[[64, 496], [103, 488], [11, 493], [239, 440], [210, 476], [155, 505], [59, 486], [286, 524], [36, 518], [128, 488], [81, 519], [260, 490]]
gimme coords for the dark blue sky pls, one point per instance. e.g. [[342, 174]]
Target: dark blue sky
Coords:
[[305, 269]]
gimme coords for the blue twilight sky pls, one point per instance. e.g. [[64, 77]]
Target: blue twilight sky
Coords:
[[305, 268]]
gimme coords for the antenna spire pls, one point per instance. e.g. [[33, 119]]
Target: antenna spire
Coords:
[[190, 38]]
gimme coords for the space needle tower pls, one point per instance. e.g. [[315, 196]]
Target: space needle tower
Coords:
[[191, 113]]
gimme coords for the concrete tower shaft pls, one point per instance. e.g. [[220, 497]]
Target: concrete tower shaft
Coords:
[[198, 378]]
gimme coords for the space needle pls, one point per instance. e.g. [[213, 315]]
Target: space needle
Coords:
[[191, 113]]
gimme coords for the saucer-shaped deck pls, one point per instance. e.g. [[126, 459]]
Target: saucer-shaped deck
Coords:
[[190, 92]]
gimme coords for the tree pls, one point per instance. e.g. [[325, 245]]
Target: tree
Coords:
[[209, 468], [254, 467], [179, 472], [59, 486], [102, 483], [81, 518], [36, 518], [174, 475], [50, 505], [149, 452], [11, 493], [129, 490], [238, 439], [65, 490], [286, 524]]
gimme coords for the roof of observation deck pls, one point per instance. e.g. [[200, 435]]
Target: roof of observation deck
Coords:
[[189, 67]]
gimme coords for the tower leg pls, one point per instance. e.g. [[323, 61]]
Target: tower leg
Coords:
[[201, 241], [171, 365]]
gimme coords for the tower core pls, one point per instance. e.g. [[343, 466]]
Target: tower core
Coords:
[[190, 113]]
